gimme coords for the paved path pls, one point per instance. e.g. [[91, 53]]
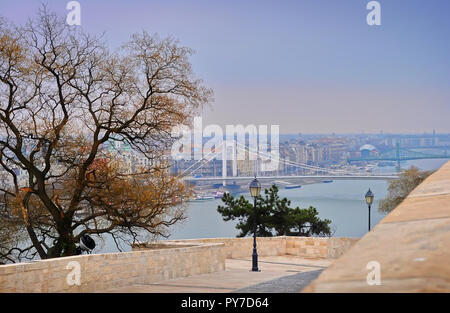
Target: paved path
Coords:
[[286, 284], [278, 274]]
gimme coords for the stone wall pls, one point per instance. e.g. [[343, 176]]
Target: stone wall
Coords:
[[157, 261], [339, 246], [242, 247], [99, 272], [307, 247]]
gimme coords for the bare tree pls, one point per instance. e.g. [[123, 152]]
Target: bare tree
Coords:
[[400, 188], [63, 98]]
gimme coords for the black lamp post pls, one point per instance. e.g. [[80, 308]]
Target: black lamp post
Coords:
[[369, 201], [255, 190]]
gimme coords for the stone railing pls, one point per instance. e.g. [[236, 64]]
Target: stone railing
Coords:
[[408, 251], [307, 247], [100, 272]]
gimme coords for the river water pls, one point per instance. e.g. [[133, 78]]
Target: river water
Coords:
[[342, 202]]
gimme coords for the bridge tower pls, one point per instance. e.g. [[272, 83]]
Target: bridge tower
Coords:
[[226, 145], [234, 165]]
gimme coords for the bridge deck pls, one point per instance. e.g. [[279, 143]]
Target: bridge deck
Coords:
[[269, 178]]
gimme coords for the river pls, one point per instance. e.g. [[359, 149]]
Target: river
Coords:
[[342, 202]]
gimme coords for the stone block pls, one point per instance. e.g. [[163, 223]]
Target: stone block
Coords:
[[8, 269]]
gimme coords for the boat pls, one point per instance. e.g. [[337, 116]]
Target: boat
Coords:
[[219, 195], [327, 181], [201, 198], [292, 187]]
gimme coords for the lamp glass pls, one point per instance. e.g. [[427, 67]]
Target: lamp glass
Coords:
[[255, 188], [369, 197]]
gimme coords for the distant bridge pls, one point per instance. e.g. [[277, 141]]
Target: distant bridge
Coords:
[[244, 179], [400, 154], [321, 173]]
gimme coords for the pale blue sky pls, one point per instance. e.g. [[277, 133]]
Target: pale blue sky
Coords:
[[307, 65]]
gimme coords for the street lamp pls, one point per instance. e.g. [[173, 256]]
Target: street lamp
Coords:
[[369, 201], [255, 190]]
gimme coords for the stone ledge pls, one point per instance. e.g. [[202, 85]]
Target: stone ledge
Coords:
[[411, 245], [104, 271], [307, 247]]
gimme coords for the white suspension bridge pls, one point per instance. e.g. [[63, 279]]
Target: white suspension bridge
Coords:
[[266, 168]]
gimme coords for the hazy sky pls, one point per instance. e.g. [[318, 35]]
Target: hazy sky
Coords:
[[307, 65]]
